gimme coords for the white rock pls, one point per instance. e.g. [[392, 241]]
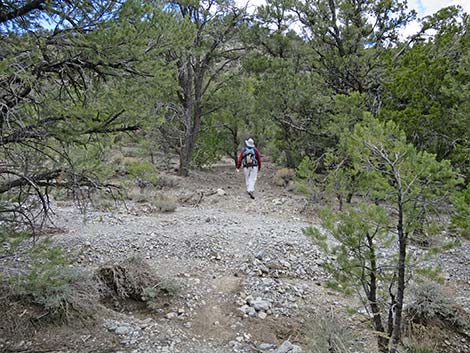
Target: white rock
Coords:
[[265, 346], [260, 304], [171, 315], [262, 315], [288, 347], [122, 330]]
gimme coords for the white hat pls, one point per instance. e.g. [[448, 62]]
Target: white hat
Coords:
[[250, 142]]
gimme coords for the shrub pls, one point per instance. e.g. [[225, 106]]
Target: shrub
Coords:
[[143, 171], [11, 240], [307, 179], [461, 219], [54, 284], [283, 176], [429, 305], [329, 334], [164, 204], [165, 288], [164, 181], [142, 197]]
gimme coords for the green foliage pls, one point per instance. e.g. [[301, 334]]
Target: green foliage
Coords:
[[211, 146], [353, 230], [407, 187], [381, 157], [142, 170], [306, 170], [461, 218], [290, 97], [429, 305], [438, 68], [166, 288], [70, 79], [54, 284], [233, 117], [307, 178], [12, 240], [350, 50]]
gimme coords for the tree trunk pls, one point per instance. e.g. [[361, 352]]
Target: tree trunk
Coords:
[[382, 340], [192, 83], [401, 270], [189, 143], [185, 158], [235, 145], [186, 75]]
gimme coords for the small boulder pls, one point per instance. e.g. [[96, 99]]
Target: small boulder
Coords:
[[171, 315], [262, 315], [288, 347], [260, 305]]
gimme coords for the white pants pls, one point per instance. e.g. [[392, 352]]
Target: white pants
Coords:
[[251, 173]]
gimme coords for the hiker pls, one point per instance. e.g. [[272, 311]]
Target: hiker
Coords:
[[250, 160]]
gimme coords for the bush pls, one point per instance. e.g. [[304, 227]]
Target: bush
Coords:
[[461, 219], [329, 334], [430, 306], [54, 284], [12, 240], [307, 179], [165, 288], [143, 171], [164, 204], [284, 176], [164, 181], [209, 147]]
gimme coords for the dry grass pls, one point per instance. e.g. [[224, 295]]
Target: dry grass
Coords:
[[328, 332], [283, 176], [164, 203]]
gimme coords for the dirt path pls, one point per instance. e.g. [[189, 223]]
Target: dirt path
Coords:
[[226, 253], [247, 278]]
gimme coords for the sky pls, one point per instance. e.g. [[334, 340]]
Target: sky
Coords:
[[428, 7], [422, 7]]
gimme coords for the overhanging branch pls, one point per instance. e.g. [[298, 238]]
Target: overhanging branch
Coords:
[[22, 11]]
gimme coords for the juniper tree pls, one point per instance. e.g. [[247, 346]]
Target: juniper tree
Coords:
[[351, 39], [400, 189], [207, 47], [59, 90], [427, 88]]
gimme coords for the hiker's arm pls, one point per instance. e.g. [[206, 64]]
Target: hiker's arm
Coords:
[[258, 158], [239, 160]]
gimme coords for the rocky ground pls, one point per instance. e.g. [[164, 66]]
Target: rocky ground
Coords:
[[247, 278]]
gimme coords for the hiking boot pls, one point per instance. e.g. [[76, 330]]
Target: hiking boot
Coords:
[[251, 195]]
